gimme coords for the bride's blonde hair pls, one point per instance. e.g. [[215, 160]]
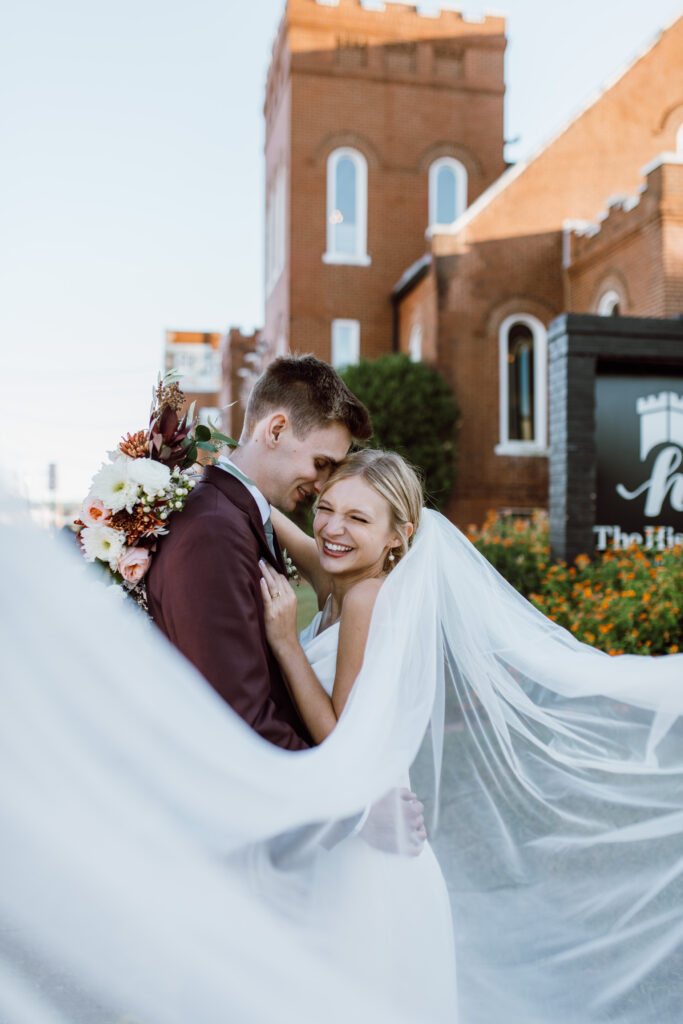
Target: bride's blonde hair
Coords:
[[395, 480]]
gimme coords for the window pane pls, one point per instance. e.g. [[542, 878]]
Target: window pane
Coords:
[[520, 383], [345, 209], [344, 344], [445, 195]]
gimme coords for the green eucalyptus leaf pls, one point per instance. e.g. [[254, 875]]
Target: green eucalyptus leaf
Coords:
[[217, 436], [202, 433]]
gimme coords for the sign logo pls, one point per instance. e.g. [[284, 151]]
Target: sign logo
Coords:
[[661, 422], [639, 443]]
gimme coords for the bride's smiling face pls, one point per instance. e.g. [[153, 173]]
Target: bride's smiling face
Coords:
[[353, 529]]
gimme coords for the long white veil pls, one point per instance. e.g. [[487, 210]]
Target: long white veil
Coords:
[[158, 858]]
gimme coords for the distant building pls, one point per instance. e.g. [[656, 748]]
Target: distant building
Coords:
[[244, 357], [198, 356]]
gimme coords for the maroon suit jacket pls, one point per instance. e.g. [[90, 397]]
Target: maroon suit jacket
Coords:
[[204, 593]]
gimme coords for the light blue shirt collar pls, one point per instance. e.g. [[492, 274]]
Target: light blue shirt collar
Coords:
[[263, 503]]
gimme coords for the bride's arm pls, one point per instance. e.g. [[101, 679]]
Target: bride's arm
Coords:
[[303, 551], [319, 712]]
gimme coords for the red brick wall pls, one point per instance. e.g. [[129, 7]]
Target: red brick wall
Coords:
[[420, 308], [507, 258], [404, 90], [636, 250]]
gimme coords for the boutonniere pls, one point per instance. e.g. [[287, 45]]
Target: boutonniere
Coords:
[[292, 571]]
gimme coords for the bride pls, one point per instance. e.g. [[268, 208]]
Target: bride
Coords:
[[366, 516]]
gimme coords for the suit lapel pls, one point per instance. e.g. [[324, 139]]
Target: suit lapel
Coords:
[[235, 491]]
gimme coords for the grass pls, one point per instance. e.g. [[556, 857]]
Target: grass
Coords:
[[308, 605]]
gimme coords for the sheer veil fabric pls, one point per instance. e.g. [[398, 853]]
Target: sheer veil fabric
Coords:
[[158, 859]]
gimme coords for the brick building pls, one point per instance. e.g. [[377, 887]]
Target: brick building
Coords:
[[536, 244], [379, 123], [393, 223], [197, 356]]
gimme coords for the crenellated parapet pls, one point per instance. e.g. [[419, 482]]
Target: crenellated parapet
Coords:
[[386, 40], [661, 193]]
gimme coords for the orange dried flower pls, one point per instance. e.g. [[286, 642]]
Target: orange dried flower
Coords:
[[136, 446]]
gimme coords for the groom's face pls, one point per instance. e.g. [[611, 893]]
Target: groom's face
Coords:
[[300, 466]]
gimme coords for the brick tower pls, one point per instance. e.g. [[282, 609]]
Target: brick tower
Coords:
[[381, 123]]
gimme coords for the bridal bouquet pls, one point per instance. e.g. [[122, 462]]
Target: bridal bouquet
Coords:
[[146, 480]]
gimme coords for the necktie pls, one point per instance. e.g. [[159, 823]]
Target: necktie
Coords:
[[268, 527]]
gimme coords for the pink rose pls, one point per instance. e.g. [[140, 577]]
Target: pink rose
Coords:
[[93, 512], [134, 563]]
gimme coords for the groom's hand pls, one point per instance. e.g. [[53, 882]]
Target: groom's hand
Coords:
[[396, 824]]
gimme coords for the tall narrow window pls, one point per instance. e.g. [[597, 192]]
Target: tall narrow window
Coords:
[[347, 201], [520, 383], [447, 191], [523, 386], [345, 342]]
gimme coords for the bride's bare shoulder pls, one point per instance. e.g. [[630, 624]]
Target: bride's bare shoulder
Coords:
[[361, 598]]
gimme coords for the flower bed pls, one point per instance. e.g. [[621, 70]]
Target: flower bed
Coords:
[[623, 602]]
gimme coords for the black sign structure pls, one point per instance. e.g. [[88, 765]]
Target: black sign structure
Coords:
[[616, 433]]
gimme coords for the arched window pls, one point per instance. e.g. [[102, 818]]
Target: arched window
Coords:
[[347, 207], [415, 343], [523, 386], [609, 304], [447, 191]]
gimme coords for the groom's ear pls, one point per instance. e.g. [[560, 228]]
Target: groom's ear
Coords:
[[274, 427]]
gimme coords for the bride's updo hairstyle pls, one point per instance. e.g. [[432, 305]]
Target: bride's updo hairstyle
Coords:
[[395, 480]]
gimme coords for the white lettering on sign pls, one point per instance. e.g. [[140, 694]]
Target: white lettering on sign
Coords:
[[656, 538], [663, 480]]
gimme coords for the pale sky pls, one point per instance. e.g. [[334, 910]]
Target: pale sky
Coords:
[[131, 180]]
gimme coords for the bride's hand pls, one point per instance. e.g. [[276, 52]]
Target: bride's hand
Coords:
[[279, 608]]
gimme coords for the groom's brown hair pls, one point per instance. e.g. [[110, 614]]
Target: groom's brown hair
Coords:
[[313, 394]]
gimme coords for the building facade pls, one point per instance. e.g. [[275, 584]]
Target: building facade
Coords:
[[393, 223], [381, 125], [590, 224]]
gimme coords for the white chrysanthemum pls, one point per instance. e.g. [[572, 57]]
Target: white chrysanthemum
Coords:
[[152, 476], [114, 485], [103, 543]]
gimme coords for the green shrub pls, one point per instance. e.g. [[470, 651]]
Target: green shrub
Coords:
[[622, 602], [413, 413]]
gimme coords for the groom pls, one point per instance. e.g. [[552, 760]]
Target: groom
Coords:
[[204, 583], [203, 586]]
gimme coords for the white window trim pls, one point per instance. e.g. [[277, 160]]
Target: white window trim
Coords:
[[461, 189], [608, 300], [355, 332], [539, 446], [360, 257]]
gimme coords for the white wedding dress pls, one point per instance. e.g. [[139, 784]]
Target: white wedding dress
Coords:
[[386, 917]]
